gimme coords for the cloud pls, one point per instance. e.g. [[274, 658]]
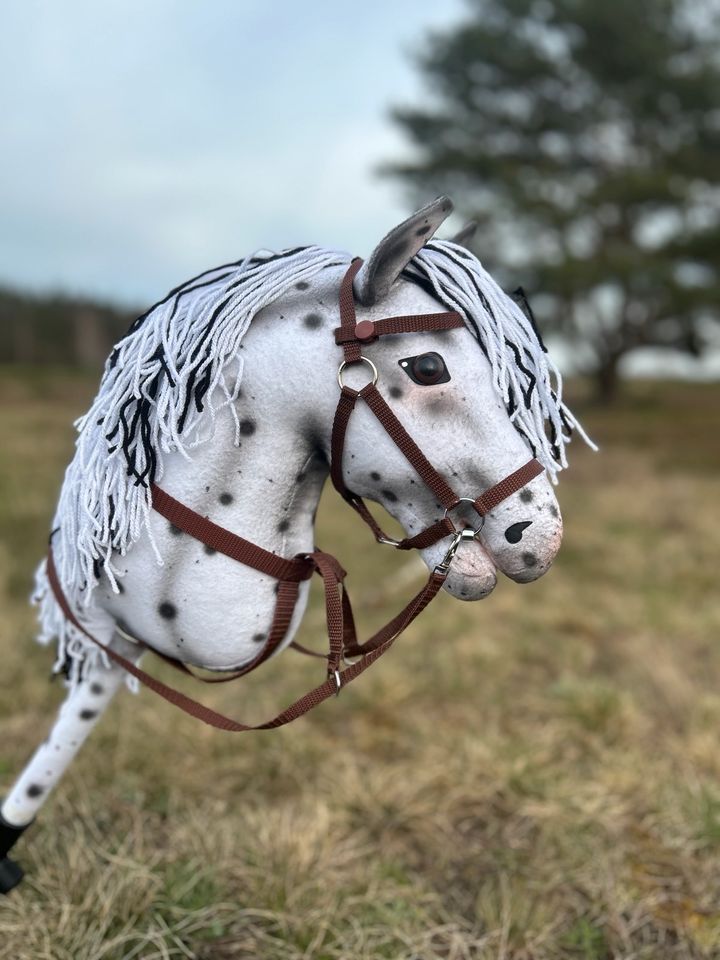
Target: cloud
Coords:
[[144, 142]]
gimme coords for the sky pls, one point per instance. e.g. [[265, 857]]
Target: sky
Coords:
[[142, 142]]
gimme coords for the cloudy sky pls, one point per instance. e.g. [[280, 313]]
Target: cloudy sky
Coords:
[[144, 141]]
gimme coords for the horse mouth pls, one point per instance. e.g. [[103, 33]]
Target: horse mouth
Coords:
[[473, 571]]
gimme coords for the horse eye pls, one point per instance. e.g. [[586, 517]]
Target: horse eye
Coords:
[[426, 369]]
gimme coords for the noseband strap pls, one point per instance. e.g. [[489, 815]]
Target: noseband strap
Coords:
[[291, 572], [351, 335]]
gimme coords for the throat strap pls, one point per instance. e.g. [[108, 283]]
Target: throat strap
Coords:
[[227, 542]]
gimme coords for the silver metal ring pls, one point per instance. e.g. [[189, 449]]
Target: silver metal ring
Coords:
[[347, 363], [469, 500], [338, 682]]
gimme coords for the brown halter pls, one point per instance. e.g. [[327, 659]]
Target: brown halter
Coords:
[[342, 636]]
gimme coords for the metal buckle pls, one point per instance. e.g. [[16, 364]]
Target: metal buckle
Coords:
[[467, 534], [338, 682], [388, 540], [347, 363]]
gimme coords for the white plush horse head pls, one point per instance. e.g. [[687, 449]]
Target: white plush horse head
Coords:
[[226, 391]]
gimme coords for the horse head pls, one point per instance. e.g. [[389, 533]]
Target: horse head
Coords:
[[473, 399]]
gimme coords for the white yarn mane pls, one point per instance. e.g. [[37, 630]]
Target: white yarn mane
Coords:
[[156, 396], [527, 380]]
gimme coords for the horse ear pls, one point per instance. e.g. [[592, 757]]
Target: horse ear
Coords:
[[463, 237], [394, 252]]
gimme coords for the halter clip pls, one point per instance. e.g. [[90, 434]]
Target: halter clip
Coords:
[[444, 566]]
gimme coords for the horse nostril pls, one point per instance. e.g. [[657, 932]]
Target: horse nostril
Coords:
[[514, 533]]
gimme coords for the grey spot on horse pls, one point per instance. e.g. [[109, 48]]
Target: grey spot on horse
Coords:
[[399, 248], [258, 637], [514, 533], [299, 478], [529, 559], [554, 510], [88, 714], [97, 689], [526, 495], [225, 499], [210, 550], [247, 428], [389, 495], [35, 790], [395, 392], [175, 531], [283, 526], [167, 610], [423, 231], [121, 588], [302, 285], [375, 476], [313, 321]]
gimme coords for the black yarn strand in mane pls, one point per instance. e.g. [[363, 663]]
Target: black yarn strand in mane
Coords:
[[190, 286], [528, 390], [424, 282], [520, 298]]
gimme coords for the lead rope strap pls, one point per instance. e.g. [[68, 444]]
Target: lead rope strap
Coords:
[[336, 680]]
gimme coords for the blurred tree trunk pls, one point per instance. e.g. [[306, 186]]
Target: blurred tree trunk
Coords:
[[607, 379], [91, 346]]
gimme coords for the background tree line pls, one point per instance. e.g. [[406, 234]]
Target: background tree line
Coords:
[[56, 329]]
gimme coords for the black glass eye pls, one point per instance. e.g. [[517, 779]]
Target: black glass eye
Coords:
[[427, 369]]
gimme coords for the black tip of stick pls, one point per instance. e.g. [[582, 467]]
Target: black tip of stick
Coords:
[[11, 873]]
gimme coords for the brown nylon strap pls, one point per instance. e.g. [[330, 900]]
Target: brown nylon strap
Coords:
[[426, 538], [347, 311], [333, 576], [381, 642], [392, 630], [412, 452], [345, 407], [410, 323], [509, 485], [284, 609], [224, 541]]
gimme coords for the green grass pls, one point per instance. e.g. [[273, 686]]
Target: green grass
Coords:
[[536, 777]]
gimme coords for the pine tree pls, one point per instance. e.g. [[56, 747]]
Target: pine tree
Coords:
[[584, 136]]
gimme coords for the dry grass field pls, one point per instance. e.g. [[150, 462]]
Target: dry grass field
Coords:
[[536, 776]]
